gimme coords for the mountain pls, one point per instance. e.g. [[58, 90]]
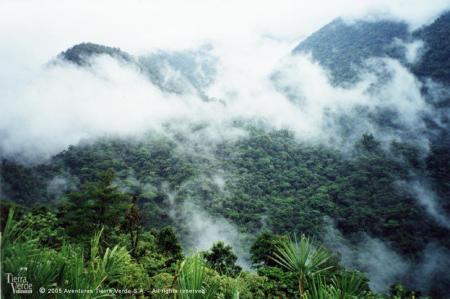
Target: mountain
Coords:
[[179, 72], [435, 61], [189, 71], [342, 47], [81, 54]]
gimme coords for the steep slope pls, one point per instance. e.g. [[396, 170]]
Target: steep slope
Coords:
[[435, 61], [81, 54], [180, 72], [341, 47]]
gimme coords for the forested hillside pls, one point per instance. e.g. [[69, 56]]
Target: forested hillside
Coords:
[[342, 47], [270, 182]]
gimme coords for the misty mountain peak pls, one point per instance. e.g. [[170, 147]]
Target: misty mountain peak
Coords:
[[178, 72], [343, 47], [435, 62], [81, 53], [340, 46]]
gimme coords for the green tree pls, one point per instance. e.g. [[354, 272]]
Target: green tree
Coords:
[[304, 259], [263, 248], [99, 205], [192, 275], [368, 143], [43, 226], [133, 224], [222, 259], [168, 243]]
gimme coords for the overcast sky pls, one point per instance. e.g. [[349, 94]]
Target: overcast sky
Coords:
[[33, 31]]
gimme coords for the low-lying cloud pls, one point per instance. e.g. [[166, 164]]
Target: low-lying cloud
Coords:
[[63, 104], [385, 267], [428, 199], [45, 108]]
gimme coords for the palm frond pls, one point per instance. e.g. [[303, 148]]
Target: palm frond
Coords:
[[303, 258], [351, 285], [192, 277]]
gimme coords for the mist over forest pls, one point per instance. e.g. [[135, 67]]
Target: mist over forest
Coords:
[[253, 150]]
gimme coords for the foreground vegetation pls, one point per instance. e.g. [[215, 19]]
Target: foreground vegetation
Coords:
[[102, 252]]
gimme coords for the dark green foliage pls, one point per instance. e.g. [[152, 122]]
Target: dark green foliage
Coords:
[[269, 178], [399, 291], [340, 47], [438, 165], [281, 283], [167, 241], [222, 259], [350, 284], [192, 275], [43, 227], [346, 285], [22, 184], [435, 62], [369, 144], [262, 249], [82, 53], [96, 266], [6, 206], [293, 186], [133, 224], [151, 160], [100, 205]]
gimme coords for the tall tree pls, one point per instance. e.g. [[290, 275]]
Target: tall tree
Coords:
[[263, 248], [133, 224], [167, 242], [222, 259], [304, 259], [99, 205]]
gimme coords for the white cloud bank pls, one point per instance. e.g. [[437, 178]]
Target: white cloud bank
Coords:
[[43, 109]]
